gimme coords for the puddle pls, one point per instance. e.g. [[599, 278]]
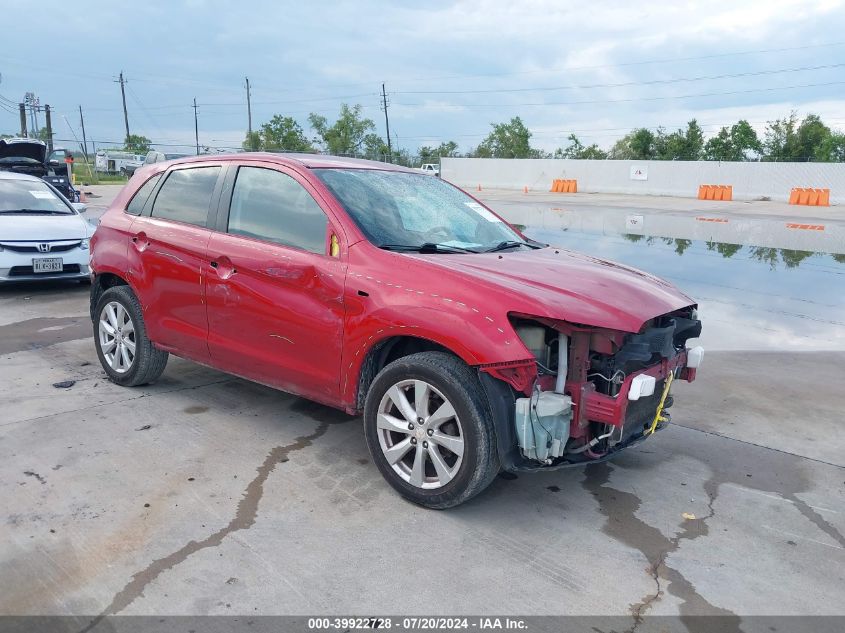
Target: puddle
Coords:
[[43, 331], [750, 297]]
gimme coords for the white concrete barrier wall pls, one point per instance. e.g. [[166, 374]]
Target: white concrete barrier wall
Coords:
[[750, 181]]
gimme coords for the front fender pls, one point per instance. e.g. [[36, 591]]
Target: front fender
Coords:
[[475, 338]]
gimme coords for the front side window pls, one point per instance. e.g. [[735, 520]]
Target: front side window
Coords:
[[269, 205], [136, 205], [400, 208], [186, 195]]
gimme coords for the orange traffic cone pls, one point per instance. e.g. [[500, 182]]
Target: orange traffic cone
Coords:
[[479, 188], [525, 190]]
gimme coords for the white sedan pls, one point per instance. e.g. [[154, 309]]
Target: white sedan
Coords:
[[42, 235]]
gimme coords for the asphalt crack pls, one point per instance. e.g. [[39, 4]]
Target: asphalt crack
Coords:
[[619, 508], [245, 516]]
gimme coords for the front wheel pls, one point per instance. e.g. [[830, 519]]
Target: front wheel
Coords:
[[126, 353], [426, 428]]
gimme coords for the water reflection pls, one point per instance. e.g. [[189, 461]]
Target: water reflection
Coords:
[[790, 258], [750, 297]]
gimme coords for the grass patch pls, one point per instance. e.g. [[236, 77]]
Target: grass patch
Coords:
[[85, 175]]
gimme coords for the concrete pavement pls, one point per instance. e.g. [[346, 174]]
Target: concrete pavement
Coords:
[[207, 494]]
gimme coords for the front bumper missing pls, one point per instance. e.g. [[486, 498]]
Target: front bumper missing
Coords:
[[631, 440], [631, 417], [598, 407]]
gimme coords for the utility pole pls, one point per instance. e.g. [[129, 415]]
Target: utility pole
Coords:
[[49, 124], [121, 81], [84, 140], [386, 124], [248, 106], [32, 102], [196, 127], [22, 107]]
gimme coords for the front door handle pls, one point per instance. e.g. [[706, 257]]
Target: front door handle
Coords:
[[223, 266]]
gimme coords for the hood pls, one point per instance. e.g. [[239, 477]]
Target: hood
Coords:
[[43, 228], [569, 286], [23, 148]]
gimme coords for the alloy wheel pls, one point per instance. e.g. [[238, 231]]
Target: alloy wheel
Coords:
[[117, 337], [420, 434]]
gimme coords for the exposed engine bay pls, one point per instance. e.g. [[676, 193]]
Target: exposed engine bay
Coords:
[[597, 391]]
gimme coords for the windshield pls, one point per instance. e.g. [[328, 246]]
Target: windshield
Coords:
[[402, 209], [31, 196]]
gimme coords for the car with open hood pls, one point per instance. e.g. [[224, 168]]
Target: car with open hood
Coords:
[[467, 348], [42, 235], [23, 156], [29, 156]]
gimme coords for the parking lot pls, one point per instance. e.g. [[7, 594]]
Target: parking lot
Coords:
[[205, 493]]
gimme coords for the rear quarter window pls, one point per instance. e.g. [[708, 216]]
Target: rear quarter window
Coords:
[[136, 204]]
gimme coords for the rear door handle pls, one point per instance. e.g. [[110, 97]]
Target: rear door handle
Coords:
[[140, 241]]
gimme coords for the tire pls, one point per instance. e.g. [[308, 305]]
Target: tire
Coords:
[[446, 477], [147, 362]]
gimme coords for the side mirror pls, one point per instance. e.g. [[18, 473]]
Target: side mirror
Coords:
[[80, 207]]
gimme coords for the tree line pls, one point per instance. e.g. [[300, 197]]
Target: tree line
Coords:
[[351, 134]]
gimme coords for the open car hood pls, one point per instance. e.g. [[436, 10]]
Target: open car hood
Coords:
[[568, 286], [23, 148]]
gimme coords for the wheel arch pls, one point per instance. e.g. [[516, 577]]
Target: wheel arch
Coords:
[[385, 351], [101, 283]]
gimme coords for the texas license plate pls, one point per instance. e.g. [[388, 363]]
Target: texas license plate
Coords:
[[47, 265]]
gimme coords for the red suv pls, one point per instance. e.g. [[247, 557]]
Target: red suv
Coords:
[[376, 289]]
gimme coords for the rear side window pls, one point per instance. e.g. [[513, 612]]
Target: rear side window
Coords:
[[186, 194], [272, 206], [136, 205]]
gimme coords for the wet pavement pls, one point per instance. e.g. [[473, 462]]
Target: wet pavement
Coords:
[[205, 493], [761, 283]]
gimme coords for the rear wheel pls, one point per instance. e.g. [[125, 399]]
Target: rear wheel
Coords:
[[426, 428], [128, 357]]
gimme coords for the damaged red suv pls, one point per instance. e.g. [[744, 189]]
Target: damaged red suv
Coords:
[[467, 347]]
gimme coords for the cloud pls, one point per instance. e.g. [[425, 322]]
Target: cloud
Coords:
[[300, 59]]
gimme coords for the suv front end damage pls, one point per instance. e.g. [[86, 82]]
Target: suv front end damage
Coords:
[[606, 391]]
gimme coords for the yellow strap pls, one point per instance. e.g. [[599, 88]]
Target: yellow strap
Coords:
[[658, 416]]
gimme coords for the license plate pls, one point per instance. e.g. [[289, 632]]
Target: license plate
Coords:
[[47, 265]]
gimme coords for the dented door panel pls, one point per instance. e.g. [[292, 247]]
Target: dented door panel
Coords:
[[275, 314]]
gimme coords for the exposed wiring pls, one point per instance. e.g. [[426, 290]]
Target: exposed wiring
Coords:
[[591, 443], [611, 379], [546, 370], [532, 413]]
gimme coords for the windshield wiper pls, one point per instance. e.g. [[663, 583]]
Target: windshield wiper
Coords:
[[39, 211], [509, 244], [427, 247]]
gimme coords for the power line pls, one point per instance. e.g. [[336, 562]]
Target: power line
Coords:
[[626, 83], [667, 60], [629, 100], [545, 71], [143, 109]]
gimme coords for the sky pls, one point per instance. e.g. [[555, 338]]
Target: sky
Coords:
[[450, 69]]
